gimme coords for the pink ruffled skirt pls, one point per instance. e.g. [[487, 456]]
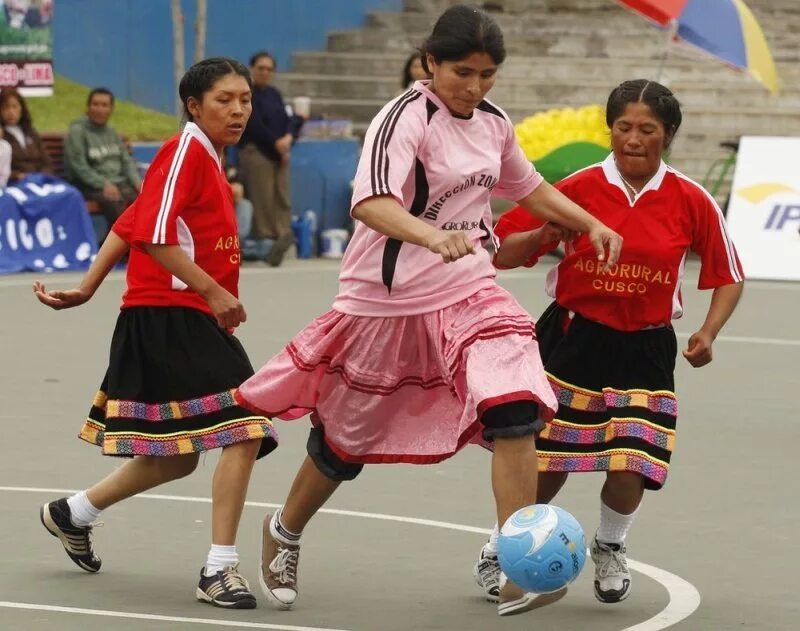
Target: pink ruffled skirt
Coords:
[[407, 388]]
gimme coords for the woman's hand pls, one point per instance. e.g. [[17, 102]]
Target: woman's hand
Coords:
[[227, 310], [698, 350], [451, 245], [602, 237], [61, 299], [553, 233]]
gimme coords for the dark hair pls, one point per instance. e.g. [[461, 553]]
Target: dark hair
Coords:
[[405, 78], [204, 74], [25, 121], [658, 98], [460, 31], [258, 55], [99, 91]]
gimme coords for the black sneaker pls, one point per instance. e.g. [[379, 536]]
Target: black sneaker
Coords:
[[227, 588], [77, 540]]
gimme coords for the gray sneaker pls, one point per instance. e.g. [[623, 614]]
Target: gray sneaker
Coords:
[[487, 574], [278, 573], [612, 579]]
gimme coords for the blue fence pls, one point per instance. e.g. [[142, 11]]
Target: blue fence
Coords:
[[126, 45]]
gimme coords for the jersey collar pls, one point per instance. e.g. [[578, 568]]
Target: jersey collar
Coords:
[[613, 176], [195, 132]]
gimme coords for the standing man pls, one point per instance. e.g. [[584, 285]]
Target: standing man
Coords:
[[97, 161], [264, 153]]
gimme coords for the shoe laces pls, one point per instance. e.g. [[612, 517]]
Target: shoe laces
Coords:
[[81, 542], [285, 565], [613, 562], [489, 573], [233, 581]]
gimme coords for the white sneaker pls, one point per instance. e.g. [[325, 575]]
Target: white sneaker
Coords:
[[487, 574], [612, 579]]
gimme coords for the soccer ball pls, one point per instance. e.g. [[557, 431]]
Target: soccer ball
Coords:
[[541, 548]]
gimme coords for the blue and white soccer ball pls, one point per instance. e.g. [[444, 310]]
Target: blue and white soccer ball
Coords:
[[541, 548]]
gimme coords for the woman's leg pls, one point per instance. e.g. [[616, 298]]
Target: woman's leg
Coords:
[[514, 479], [139, 475], [220, 583], [550, 484], [229, 490], [310, 490], [623, 491], [319, 476], [70, 519], [619, 501]]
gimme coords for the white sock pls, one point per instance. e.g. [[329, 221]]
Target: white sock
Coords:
[[82, 512], [614, 526], [220, 557], [281, 532], [491, 545]]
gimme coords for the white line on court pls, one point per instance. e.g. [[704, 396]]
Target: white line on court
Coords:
[[774, 341], [150, 616], [26, 279], [683, 596], [768, 341]]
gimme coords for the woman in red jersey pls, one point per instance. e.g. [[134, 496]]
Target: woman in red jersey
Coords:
[[607, 341], [174, 363]]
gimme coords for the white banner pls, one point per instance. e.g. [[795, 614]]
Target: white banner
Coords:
[[764, 211]]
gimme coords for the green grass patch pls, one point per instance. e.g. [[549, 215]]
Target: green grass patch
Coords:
[[55, 113]]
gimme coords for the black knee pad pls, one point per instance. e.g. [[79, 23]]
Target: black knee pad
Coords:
[[328, 463], [512, 420]]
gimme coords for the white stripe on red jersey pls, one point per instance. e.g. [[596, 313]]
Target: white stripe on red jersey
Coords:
[[668, 217]]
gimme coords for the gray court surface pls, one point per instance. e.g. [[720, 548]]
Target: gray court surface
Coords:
[[715, 550]]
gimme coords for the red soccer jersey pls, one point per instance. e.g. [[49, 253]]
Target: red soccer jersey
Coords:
[[185, 200], [670, 216]]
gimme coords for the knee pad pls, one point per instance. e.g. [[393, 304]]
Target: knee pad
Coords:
[[512, 420], [329, 464]]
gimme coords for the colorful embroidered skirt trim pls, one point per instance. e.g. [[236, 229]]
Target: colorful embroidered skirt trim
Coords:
[[617, 409], [169, 388]]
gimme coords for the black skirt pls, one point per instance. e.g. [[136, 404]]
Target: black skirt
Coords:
[[616, 402], [169, 388]]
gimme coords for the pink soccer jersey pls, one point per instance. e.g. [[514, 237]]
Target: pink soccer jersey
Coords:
[[443, 169]]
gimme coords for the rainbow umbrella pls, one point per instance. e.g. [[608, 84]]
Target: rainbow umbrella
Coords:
[[726, 29]]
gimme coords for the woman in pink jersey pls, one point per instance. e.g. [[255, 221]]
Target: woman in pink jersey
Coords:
[[167, 393], [607, 341], [422, 350]]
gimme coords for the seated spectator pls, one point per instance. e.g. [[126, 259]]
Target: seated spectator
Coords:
[[5, 160], [242, 205], [97, 161], [27, 151]]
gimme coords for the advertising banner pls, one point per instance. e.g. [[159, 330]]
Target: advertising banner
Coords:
[[44, 227], [764, 211], [26, 46]]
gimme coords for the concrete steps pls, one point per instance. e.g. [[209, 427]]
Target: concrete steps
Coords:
[[566, 53], [389, 64], [736, 120], [694, 93]]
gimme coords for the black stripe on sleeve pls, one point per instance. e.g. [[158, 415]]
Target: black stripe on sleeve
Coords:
[[380, 157], [376, 143]]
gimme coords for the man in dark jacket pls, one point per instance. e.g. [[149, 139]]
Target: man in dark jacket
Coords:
[[264, 153]]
